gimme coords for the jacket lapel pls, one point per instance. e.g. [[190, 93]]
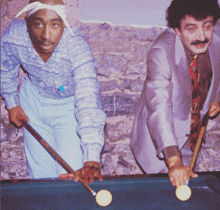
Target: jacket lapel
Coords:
[[182, 65], [214, 52]]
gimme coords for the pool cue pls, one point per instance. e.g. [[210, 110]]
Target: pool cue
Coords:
[[198, 143], [54, 154]]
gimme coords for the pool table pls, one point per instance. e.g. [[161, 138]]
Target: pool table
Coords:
[[129, 192]]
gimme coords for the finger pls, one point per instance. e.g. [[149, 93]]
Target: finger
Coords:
[[66, 176], [91, 178], [185, 175], [185, 178], [86, 177], [90, 175], [13, 119], [19, 119], [97, 175], [172, 181], [17, 122], [181, 179], [194, 175], [100, 178], [77, 175], [25, 117], [176, 180], [214, 111]]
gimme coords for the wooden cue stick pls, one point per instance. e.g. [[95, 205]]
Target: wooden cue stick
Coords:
[[54, 154], [198, 143]]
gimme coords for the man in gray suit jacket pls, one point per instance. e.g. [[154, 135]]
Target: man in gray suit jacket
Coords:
[[160, 136]]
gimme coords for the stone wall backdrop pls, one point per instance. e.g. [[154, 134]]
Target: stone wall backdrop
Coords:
[[120, 54]]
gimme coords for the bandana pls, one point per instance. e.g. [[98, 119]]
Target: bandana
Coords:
[[35, 6]]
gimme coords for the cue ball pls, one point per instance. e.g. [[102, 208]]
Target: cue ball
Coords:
[[103, 197], [183, 192]]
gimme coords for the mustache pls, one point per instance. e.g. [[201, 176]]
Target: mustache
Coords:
[[46, 43], [196, 42]]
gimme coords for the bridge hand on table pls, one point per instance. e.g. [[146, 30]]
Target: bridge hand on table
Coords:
[[89, 172], [178, 172]]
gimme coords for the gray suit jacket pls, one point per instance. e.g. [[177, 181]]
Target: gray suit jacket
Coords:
[[163, 115]]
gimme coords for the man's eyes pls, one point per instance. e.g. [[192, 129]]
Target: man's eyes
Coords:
[[191, 29], [38, 24], [208, 27], [55, 25]]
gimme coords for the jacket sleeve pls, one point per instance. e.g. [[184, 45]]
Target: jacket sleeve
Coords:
[[89, 114], [217, 32], [10, 66], [159, 100], [218, 95]]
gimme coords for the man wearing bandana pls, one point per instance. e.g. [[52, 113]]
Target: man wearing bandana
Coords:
[[182, 85], [59, 95]]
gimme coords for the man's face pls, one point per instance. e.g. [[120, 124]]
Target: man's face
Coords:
[[196, 35], [45, 29]]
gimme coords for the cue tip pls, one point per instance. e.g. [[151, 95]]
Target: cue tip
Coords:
[[93, 193]]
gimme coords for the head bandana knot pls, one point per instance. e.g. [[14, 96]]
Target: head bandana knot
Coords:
[[35, 6]]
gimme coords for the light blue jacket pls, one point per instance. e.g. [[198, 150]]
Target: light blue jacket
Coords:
[[70, 71], [163, 116]]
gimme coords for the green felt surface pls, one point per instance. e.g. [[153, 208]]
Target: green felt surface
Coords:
[[128, 193]]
